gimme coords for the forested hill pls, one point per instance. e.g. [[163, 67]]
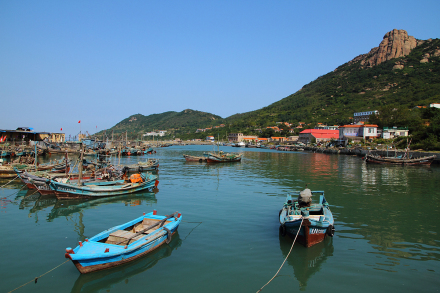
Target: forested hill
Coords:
[[174, 121], [402, 72], [368, 82]]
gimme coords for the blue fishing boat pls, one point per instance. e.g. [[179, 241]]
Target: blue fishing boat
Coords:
[[313, 220], [124, 243], [135, 183]]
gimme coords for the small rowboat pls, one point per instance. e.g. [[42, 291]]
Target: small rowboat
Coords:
[[313, 220], [124, 243]]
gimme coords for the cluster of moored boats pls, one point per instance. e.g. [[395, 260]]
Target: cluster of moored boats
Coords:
[[94, 179], [215, 157], [308, 222]]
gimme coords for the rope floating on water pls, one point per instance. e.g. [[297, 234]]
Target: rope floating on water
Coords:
[[9, 182], [302, 219], [36, 279], [199, 223]]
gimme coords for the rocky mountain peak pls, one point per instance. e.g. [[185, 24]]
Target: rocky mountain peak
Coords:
[[395, 44]]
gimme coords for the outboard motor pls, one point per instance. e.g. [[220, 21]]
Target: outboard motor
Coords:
[[305, 198]]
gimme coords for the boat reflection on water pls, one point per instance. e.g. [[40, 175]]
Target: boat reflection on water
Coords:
[[66, 207], [62, 208], [306, 261], [104, 280]]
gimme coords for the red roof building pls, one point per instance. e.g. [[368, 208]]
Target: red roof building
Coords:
[[306, 136]]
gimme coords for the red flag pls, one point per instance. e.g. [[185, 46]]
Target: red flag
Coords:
[[79, 121]]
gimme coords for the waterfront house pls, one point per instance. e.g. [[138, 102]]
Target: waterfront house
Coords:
[[278, 139], [238, 137], [356, 132], [262, 139], [23, 134], [317, 135], [392, 132]]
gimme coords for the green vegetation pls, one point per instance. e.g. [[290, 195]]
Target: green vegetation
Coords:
[[331, 99]]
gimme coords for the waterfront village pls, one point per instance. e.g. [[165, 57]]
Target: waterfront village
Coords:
[[337, 135]]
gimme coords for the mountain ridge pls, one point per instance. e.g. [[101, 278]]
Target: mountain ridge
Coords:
[[401, 71]]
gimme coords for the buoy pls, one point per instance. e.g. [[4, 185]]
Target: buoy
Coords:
[[178, 215], [154, 212], [80, 244]]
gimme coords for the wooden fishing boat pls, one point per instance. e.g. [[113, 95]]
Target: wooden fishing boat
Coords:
[[7, 171], [426, 160], [221, 157], [112, 277], [136, 182], [39, 180], [124, 243], [313, 220], [148, 165], [189, 158]]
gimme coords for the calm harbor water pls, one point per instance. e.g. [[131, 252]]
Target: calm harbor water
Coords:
[[386, 218]]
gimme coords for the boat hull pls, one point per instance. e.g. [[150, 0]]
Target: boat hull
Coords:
[[397, 161], [110, 263], [223, 158], [66, 191], [309, 234], [104, 251], [309, 222]]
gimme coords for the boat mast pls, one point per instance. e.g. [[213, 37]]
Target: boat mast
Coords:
[[80, 166]]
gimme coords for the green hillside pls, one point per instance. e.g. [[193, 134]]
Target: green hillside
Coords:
[[394, 87], [333, 98], [180, 122]]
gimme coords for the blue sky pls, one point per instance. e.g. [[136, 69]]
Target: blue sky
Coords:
[[102, 61]]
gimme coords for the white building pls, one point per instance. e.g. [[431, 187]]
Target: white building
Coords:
[[434, 105], [156, 133], [363, 116]]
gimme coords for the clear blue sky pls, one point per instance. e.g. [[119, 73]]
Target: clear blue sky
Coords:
[[102, 61]]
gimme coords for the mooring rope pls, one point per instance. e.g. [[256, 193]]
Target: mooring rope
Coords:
[[199, 223], [36, 279], [302, 219], [9, 182], [16, 192]]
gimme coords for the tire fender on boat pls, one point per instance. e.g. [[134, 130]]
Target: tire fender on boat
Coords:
[[168, 235], [330, 230]]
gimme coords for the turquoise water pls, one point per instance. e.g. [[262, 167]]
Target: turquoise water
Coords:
[[386, 219]]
